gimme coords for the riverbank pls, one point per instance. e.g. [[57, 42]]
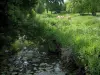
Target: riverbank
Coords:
[[81, 33]]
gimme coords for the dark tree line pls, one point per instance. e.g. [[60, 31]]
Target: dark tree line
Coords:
[[51, 5], [84, 6], [12, 16], [55, 5]]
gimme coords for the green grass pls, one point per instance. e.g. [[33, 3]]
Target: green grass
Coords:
[[82, 33]]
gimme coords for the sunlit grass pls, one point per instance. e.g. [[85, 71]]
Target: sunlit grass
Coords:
[[82, 33]]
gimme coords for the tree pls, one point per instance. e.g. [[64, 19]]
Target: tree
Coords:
[[13, 13], [40, 7], [69, 7], [82, 6], [54, 5], [94, 6]]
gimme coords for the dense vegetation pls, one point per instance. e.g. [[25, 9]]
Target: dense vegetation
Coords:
[[81, 33], [29, 22]]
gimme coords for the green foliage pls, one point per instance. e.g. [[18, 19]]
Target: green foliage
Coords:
[[14, 14], [23, 4], [69, 7], [19, 44], [81, 33], [55, 5], [83, 6]]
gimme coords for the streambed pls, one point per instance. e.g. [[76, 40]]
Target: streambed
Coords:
[[32, 62]]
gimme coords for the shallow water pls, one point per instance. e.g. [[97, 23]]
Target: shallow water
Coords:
[[32, 62]]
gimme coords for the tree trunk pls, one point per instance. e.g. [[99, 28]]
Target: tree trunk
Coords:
[[47, 10], [94, 13], [51, 11], [3, 22]]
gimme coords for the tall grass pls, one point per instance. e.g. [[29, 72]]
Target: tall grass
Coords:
[[82, 33]]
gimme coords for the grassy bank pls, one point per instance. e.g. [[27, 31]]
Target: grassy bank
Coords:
[[82, 33]]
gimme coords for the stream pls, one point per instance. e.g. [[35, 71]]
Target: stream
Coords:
[[29, 61]]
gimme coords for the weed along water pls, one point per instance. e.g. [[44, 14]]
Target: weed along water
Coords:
[[29, 61]]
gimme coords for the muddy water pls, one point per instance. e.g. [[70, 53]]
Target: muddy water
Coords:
[[32, 62]]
